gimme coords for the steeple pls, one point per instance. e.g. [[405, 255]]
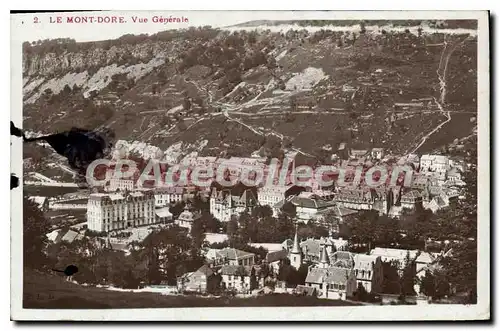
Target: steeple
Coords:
[[295, 255], [295, 247], [323, 257]]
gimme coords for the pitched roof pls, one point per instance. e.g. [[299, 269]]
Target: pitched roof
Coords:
[[204, 270], [233, 270], [163, 212], [233, 253], [328, 275], [364, 261], [276, 256], [70, 236], [400, 254], [311, 202]]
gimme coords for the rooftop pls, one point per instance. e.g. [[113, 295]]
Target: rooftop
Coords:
[[330, 275]]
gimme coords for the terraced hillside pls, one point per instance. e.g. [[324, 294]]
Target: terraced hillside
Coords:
[[263, 89]]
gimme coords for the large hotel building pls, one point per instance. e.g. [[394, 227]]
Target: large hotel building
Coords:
[[115, 211]]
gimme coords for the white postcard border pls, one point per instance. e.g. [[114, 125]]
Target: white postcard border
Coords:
[[431, 312]]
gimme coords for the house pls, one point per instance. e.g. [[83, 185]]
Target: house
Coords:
[[420, 182], [377, 153], [170, 195], [61, 235], [273, 260], [163, 215], [410, 199], [270, 195], [229, 256], [458, 163], [332, 217], [187, 218], [364, 199], [367, 268], [358, 153], [437, 165], [41, 202], [332, 282], [435, 204], [311, 248], [422, 259], [120, 184], [227, 202], [203, 280], [307, 205], [240, 278], [454, 178]]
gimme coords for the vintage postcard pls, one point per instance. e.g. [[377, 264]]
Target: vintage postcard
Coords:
[[250, 165]]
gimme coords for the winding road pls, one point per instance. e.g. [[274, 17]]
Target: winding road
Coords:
[[441, 73]]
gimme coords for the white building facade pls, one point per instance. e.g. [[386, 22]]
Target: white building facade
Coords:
[[116, 211]]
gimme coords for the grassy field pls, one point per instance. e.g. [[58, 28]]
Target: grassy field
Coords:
[[45, 291]]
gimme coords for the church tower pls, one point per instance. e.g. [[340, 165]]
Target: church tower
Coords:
[[295, 254], [324, 261]]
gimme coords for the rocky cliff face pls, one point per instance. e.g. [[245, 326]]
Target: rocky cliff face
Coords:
[[51, 64]]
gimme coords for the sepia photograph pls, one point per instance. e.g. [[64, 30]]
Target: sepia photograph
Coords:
[[315, 165]]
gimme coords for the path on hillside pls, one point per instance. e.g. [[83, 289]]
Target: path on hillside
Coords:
[[443, 66], [228, 108]]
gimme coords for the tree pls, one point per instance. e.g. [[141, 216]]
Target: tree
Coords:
[[170, 254], [210, 223], [293, 103], [427, 284], [177, 209], [361, 293], [35, 228], [408, 276], [262, 211], [253, 280], [363, 228], [66, 90], [362, 27], [460, 268], [197, 233], [232, 229], [289, 209]]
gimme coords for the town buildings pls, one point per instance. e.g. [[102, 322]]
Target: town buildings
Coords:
[[203, 280], [187, 218], [226, 202], [116, 211], [401, 256], [331, 282], [239, 278], [171, 195], [437, 165], [120, 184], [229, 256], [368, 269], [308, 205], [270, 195], [311, 248], [41, 202]]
